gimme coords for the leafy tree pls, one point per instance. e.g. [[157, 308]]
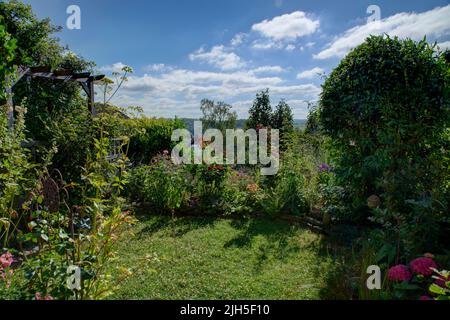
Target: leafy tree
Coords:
[[283, 120], [261, 111], [7, 50], [217, 115], [46, 100], [386, 109], [57, 114], [313, 121]]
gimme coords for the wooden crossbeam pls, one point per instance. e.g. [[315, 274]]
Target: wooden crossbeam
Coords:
[[85, 79]]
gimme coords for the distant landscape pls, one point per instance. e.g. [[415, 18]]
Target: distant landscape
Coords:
[[240, 123]]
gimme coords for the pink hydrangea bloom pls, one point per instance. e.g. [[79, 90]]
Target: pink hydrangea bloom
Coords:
[[6, 260], [441, 281], [399, 273], [423, 266]]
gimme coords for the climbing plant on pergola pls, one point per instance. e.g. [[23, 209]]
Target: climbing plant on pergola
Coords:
[[85, 79]]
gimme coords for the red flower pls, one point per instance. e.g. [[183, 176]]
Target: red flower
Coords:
[[425, 298], [399, 273], [423, 266]]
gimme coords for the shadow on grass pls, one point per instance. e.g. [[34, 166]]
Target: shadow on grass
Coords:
[[272, 239], [343, 279], [175, 227], [275, 233]]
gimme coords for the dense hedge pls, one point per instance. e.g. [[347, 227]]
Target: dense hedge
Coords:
[[151, 136]]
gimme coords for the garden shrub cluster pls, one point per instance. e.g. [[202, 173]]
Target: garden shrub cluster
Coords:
[[373, 156], [385, 110]]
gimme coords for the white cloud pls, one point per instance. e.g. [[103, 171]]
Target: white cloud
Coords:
[[287, 27], [238, 39], [433, 24], [159, 67], [266, 45], [444, 45], [179, 91], [218, 57], [309, 74], [267, 69], [300, 108], [290, 47], [116, 67]]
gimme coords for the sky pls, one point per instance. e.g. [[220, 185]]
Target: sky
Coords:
[[182, 51]]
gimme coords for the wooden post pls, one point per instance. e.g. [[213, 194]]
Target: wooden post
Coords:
[[10, 82], [92, 95]]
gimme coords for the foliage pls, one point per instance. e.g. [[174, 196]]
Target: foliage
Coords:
[[283, 120], [152, 136], [46, 100], [289, 194], [85, 236], [18, 176], [217, 115], [162, 185], [386, 110], [208, 187], [261, 111], [421, 280], [108, 84], [7, 50]]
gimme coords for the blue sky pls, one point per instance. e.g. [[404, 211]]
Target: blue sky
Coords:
[[185, 50]]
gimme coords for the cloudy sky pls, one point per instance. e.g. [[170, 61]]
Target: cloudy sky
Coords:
[[185, 50]]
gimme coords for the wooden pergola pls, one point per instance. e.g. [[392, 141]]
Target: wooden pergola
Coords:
[[85, 79]]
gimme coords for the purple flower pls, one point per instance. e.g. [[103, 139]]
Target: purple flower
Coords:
[[324, 168]]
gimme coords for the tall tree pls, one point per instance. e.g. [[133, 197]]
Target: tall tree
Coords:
[[261, 111], [217, 115], [283, 120]]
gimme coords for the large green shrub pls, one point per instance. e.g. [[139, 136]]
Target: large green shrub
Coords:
[[162, 185], [386, 109], [150, 137]]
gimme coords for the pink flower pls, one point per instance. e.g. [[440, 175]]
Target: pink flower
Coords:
[[425, 298], [6, 276], [6, 260], [38, 296], [399, 273], [165, 152], [423, 266], [441, 281]]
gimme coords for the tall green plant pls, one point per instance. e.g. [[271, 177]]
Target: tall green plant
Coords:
[[386, 109]]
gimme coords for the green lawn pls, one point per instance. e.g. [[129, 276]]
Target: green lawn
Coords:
[[201, 258]]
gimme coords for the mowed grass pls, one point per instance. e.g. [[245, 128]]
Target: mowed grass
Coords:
[[202, 258]]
